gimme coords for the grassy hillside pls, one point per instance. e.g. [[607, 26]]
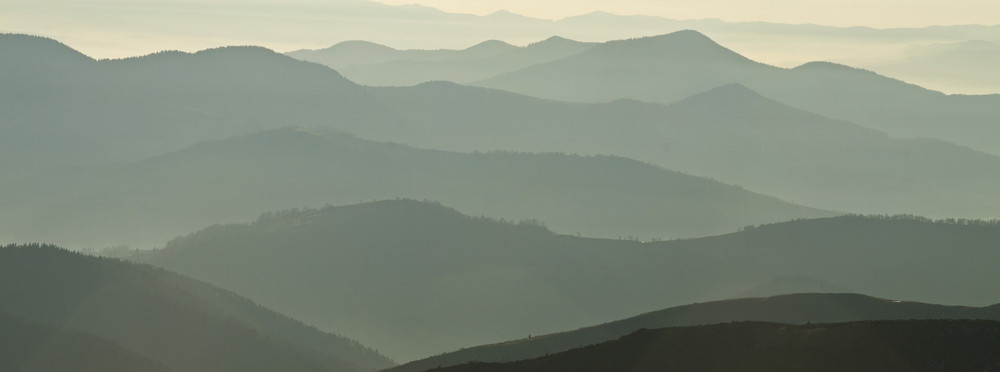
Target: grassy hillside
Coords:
[[794, 308], [905, 345], [175, 321], [457, 281]]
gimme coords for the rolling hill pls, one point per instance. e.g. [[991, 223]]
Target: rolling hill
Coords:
[[670, 67], [178, 322], [901, 345], [27, 346], [147, 202], [788, 309], [456, 280]]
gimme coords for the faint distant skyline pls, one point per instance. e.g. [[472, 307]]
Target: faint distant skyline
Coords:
[[125, 28], [842, 13]]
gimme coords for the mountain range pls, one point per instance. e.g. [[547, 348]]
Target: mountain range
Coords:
[[173, 321], [729, 133], [799, 195], [376, 65], [142, 107], [147, 202], [786, 309], [671, 67], [456, 280], [64, 108], [313, 24]]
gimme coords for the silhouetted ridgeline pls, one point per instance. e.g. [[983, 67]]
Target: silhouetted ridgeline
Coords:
[[32, 347], [471, 281], [901, 345], [183, 324], [794, 308]]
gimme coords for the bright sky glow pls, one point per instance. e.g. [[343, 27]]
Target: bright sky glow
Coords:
[[872, 13]]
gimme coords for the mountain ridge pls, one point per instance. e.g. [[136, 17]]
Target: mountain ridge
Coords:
[[800, 308]]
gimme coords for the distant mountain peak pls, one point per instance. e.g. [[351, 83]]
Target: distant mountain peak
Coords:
[[505, 14], [687, 44], [31, 48], [492, 44], [240, 50], [554, 40], [824, 65]]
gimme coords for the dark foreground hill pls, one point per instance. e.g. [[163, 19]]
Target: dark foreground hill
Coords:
[[31, 347], [902, 345], [150, 201], [416, 279], [180, 323], [670, 67], [793, 309]]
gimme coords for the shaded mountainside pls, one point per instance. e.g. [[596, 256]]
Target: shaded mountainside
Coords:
[[452, 280], [151, 201], [670, 67], [902, 345], [375, 66], [178, 322], [729, 133], [64, 108], [31, 347], [794, 309]]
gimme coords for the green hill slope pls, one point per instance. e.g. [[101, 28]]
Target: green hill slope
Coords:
[[178, 322], [27, 346]]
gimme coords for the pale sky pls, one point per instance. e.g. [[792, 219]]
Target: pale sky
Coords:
[[872, 13]]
